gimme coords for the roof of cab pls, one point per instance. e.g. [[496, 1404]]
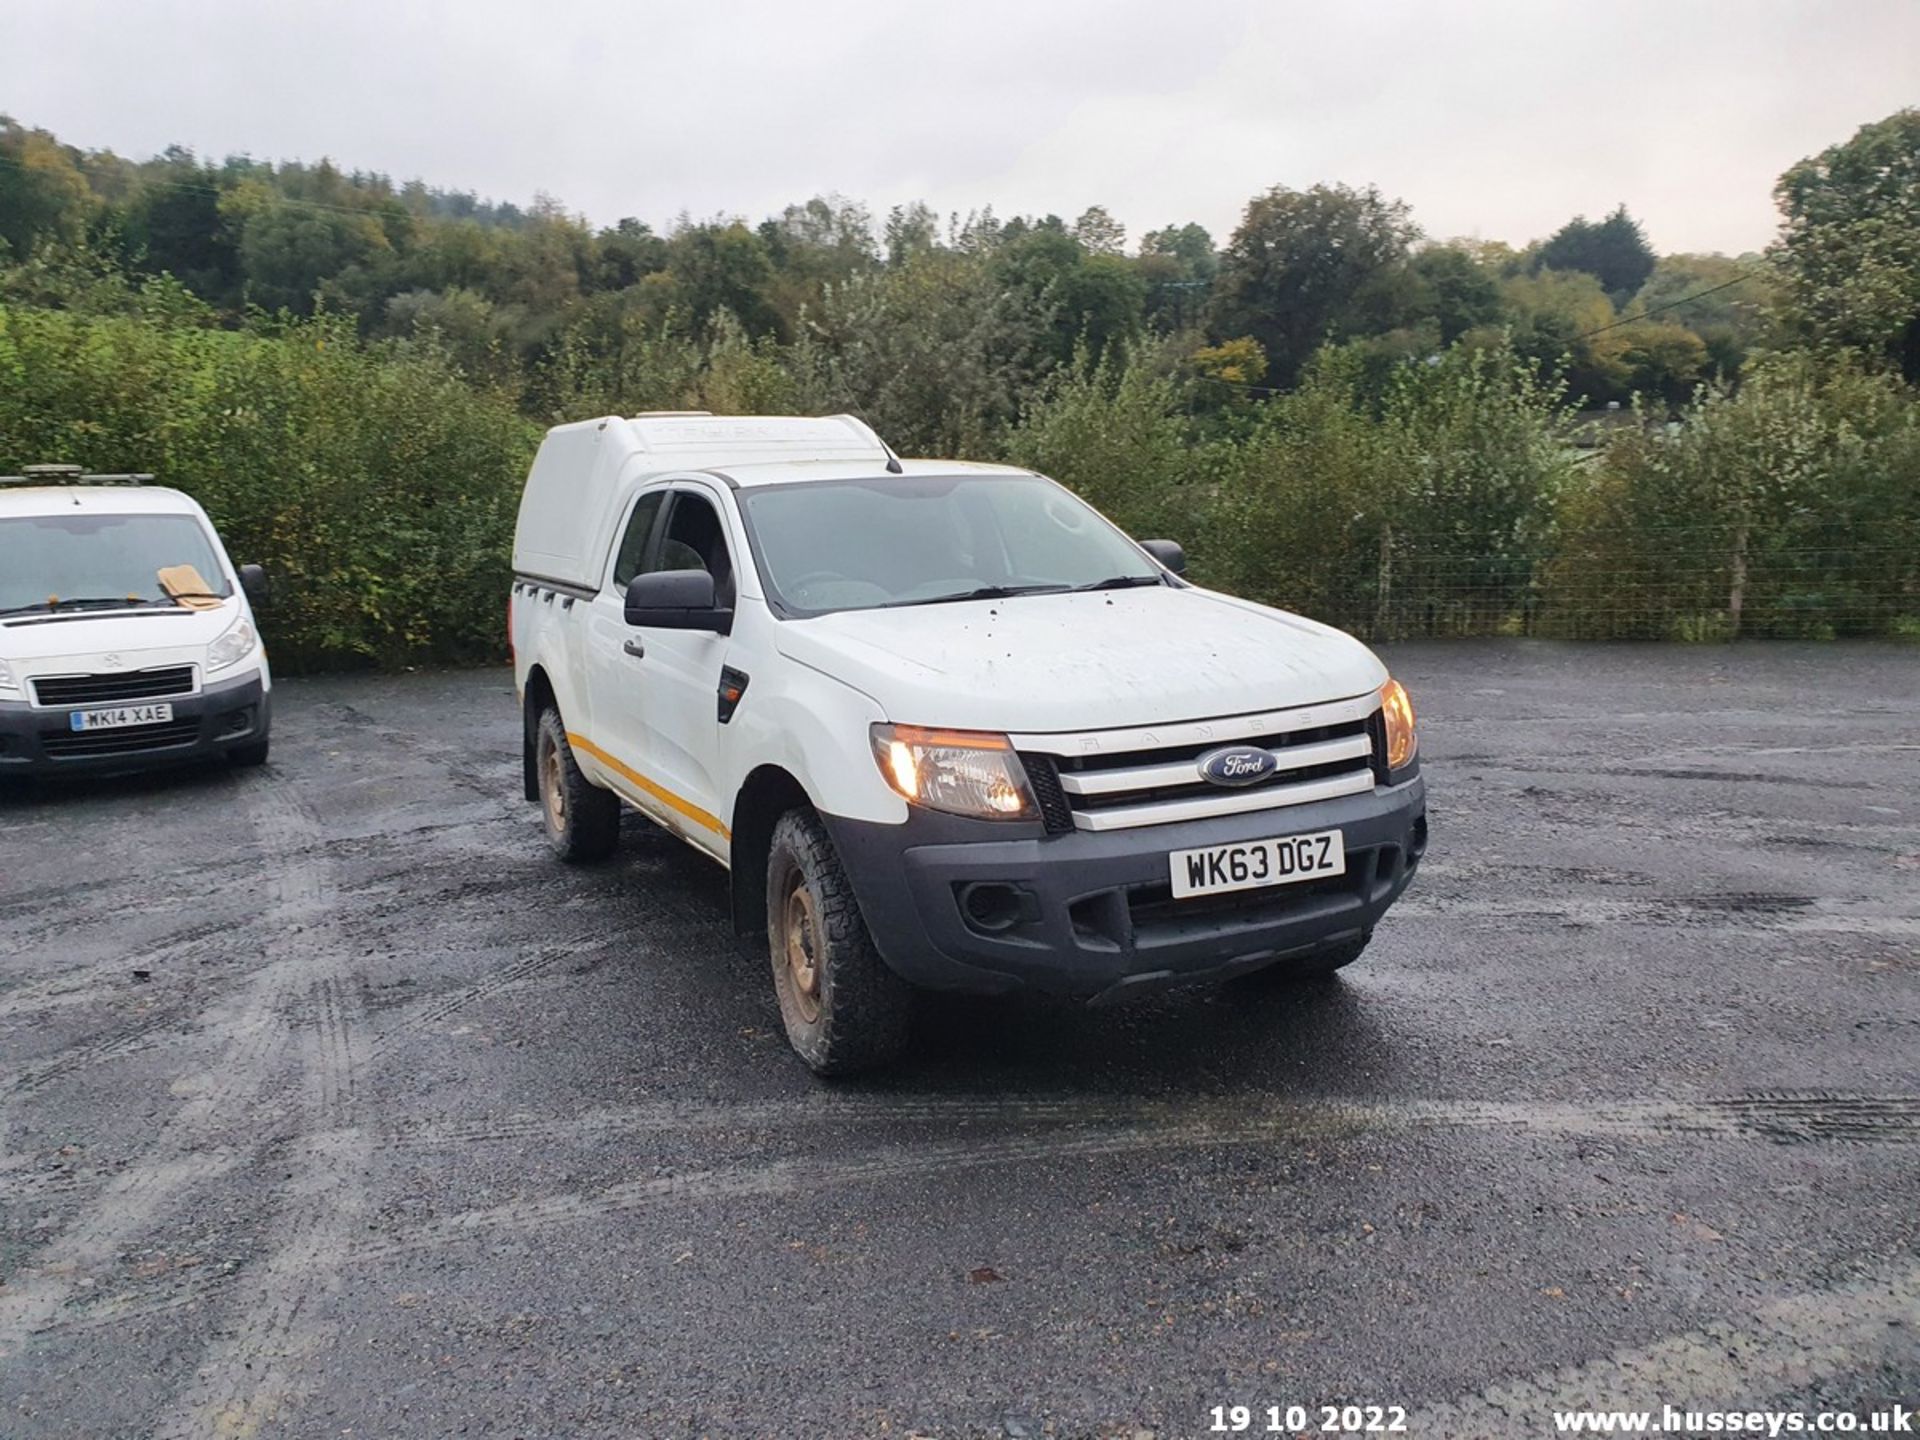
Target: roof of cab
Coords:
[[787, 472], [19, 500]]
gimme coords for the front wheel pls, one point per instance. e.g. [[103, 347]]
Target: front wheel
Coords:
[[843, 1009], [582, 820]]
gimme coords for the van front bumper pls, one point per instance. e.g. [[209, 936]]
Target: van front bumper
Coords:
[[206, 726], [1091, 913]]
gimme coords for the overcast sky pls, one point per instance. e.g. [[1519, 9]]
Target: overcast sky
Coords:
[[1497, 120]]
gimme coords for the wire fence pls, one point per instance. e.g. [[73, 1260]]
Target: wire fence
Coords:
[[1687, 583]]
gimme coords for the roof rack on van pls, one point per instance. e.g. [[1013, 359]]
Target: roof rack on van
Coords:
[[69, 475]]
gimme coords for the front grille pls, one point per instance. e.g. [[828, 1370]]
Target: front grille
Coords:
[[1152, 907], [107, 689], [1142, 917], [1111, 780], [135, 740]]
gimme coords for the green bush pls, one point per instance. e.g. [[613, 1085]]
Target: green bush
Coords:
[[377, 488]]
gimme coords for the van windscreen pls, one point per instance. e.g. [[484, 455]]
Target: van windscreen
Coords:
[[99, 558]]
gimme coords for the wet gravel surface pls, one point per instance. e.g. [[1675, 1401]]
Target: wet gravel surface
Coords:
[[331, 1105]]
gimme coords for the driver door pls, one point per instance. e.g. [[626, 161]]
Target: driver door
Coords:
[[616, 699], [680, 675]]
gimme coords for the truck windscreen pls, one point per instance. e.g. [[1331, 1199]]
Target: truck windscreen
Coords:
[[921, 540]]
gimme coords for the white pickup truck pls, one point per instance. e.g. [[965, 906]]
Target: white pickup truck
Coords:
[[947, 726]]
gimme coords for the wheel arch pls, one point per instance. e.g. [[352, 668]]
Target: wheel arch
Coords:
[[769, 792], [538, 695]]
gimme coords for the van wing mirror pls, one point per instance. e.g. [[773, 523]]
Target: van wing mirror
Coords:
[[1170, 553], [677, 600], [253, 580]]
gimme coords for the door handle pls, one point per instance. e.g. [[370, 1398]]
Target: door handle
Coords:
[[635, 649]]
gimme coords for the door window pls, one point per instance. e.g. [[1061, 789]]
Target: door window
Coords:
[[632, 553], [695, 540]]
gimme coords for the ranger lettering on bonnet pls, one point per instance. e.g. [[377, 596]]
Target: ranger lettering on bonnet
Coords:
[[947, 727]]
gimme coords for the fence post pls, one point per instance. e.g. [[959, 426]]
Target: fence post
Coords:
[[1386, 581], [1737, 593]]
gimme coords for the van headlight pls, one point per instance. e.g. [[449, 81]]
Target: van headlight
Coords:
[[8, 685], [963, 772], [1396, 708], [232, 647]]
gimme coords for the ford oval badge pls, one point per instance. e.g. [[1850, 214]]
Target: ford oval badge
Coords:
[[1237, 765]]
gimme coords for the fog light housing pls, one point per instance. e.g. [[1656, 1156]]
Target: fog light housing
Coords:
[[993, 906]]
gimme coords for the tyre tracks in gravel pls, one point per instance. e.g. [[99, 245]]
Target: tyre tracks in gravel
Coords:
[[1094, 1130], [1784, 1346], [280, 1315], [1015, 1132], [292, 998]]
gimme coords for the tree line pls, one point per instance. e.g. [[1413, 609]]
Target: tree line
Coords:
[[1345, 415]]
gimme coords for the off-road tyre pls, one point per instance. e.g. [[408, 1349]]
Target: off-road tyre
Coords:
[[582, 821], [858, 1013]]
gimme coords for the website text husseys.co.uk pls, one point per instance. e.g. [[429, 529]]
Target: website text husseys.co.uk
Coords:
[[1668, 1420]]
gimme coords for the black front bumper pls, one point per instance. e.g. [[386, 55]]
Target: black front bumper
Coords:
[[35, 742], [1095, 917]]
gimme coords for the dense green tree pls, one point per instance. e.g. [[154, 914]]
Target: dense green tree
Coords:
[[1299, 261], [1614, 251], [721, 265], [812, 247], [626, 254], [288, 251], [1456, 291], [1099, 233], [911, 229], [1178, 264], [171, 224], [1849, 248], [1727, 302], [43, 195], [1091, 300]]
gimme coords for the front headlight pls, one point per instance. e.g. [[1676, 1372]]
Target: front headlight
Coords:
[[1397, 709], [232, 647], [963, 772], [7, 683]]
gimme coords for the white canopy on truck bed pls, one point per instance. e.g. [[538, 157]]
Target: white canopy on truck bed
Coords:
[[584, 470]]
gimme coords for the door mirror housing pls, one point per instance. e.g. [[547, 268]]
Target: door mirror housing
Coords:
[[677, 600], [253, 580], [1170, 553]]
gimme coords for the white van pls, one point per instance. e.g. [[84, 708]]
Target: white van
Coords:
[[947, 726], [126, 634]]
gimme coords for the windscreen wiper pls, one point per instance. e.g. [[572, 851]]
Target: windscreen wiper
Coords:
[[61, 602], [1121, 582], [982, 592]]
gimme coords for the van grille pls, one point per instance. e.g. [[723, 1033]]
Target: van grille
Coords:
[[1108, 780], [136, 740], [106, 689]]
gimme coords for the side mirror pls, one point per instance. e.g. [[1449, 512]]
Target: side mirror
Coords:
[[253, 580], [1169, 553], [677, 600]]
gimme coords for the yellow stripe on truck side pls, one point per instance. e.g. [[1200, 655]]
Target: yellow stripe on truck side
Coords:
[[659, 792]]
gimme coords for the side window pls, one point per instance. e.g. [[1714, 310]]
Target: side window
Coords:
[[633, 544], [695, 540]]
